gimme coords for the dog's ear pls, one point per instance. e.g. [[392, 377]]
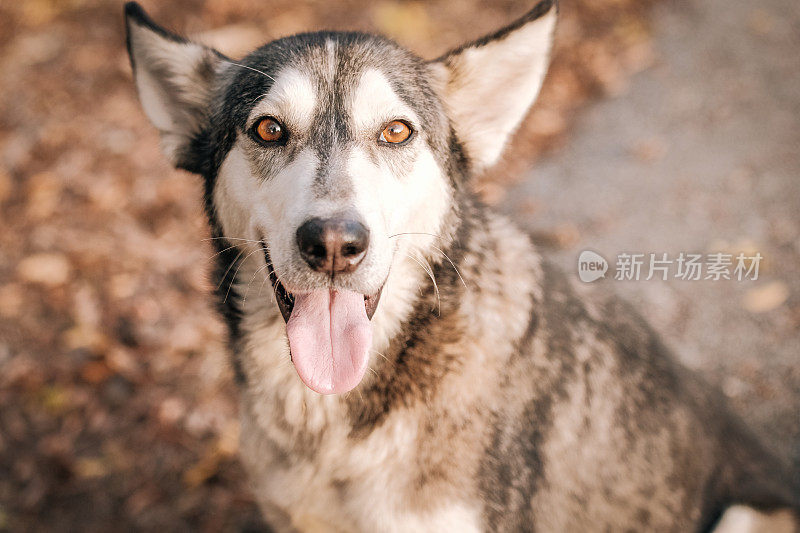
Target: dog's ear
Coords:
[[174, 78], [488, 86]]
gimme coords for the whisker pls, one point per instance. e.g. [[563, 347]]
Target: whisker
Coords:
[[221, 252], [275, 286], [435, 248], [231, 239], [451, 263], [249, 68], [261, 288], [257, 100], [384, 357], [433, 279], [436, 285], [230, 247], [413, 233], [233, 280], [225, 275], [244, 298], [235, 259]]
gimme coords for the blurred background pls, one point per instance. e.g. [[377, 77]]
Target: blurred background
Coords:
[[663, 126]]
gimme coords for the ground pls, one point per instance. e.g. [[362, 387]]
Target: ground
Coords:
[[700, 153], [117, 407]]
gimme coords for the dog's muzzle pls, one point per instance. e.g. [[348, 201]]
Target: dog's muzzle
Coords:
[[328, 328]]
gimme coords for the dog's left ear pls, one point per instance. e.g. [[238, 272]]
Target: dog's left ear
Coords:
[[175, 79], [488, 86]]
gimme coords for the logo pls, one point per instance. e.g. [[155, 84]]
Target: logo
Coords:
[[591, 266]]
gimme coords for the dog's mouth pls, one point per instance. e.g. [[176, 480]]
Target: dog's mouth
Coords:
[[329, 333], [286, 299]]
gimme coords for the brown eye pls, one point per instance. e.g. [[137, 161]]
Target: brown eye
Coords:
[[269, 130], [396, 132]]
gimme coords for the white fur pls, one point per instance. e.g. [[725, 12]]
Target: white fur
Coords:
[[374, 103], [741, 519], [292, 99]]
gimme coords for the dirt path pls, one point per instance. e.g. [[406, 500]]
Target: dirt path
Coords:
[[700, 154]]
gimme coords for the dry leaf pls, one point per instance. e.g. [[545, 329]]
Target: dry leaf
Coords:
[[50, 269], [90, 467], [765, 298]]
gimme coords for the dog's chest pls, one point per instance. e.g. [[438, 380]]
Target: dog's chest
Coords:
[[316, 473], [412, 471], [328, 480]]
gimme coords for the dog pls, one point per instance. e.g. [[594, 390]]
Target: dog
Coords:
[[416, 364]]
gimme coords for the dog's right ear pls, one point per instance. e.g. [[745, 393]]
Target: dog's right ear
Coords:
[[175, 79]]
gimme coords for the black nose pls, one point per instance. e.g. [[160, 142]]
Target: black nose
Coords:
[[333, 245]]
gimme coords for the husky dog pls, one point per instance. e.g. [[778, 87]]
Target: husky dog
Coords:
[[415, 365]]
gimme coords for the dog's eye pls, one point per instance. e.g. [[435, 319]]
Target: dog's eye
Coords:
[[396, 132], [269, 130]]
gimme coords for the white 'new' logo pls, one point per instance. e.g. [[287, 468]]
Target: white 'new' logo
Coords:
[[591, 266]]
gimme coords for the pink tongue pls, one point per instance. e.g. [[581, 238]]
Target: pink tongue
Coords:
[[330, 336]]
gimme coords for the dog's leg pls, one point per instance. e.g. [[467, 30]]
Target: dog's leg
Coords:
[[741, 519]]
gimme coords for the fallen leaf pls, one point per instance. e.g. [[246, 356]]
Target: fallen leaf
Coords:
[[96, 372], [53, 399], [49, 269], [766, 298], [90, 467], [11, 300]]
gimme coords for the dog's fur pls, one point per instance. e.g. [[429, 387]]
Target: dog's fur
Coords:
[[497, 400]]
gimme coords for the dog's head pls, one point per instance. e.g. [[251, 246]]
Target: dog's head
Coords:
[[320, 150]]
